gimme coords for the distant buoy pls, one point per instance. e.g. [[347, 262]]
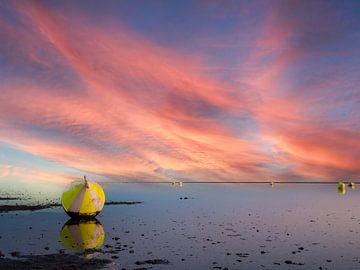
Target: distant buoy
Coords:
[[352, 185], [272, 184], [341, 188], [177, 183], [83, 199]]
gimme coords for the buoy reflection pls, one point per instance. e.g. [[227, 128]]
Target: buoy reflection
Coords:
[[82, 235]]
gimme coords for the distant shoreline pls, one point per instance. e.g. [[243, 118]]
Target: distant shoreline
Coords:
[[234, 182], [28, 207]]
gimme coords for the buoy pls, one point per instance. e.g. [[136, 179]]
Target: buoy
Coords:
[[341, 188], [272, 184], [177, 183], [352, 185], [79, 235], [83, 199]]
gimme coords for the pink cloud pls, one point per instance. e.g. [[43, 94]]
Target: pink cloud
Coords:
[[132, 109], [152, 105], [299, 120]]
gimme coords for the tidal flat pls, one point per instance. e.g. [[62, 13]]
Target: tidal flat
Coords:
[[196, 226]]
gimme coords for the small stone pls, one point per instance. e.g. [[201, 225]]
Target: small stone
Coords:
[[15, 253]]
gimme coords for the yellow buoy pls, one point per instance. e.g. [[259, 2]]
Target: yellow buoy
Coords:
[[82, 235], [352, 185], [341, 188], [83, 199], [272, 184]]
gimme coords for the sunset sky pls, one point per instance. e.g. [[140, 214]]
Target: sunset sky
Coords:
[[196, 90]]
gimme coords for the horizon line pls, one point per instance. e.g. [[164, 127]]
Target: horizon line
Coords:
[[234, 182]]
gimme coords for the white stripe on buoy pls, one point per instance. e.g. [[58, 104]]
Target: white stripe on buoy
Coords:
[[96, 200], [75, 206]]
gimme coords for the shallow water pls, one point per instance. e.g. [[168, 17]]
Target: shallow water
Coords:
[[234, 226]]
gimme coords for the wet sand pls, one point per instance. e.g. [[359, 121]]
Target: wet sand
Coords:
[[52, 261]]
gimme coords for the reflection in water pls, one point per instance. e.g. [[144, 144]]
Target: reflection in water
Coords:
[[292, 224], [82, 235], [341, 188]]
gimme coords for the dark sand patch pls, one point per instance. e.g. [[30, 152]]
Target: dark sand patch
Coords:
[[24, 207], [121, 203], [52, 261], [154, 261]]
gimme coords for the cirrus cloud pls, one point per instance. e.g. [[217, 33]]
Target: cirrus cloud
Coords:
[[102, 99]]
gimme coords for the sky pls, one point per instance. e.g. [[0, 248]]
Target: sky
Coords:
[[188, 90]]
